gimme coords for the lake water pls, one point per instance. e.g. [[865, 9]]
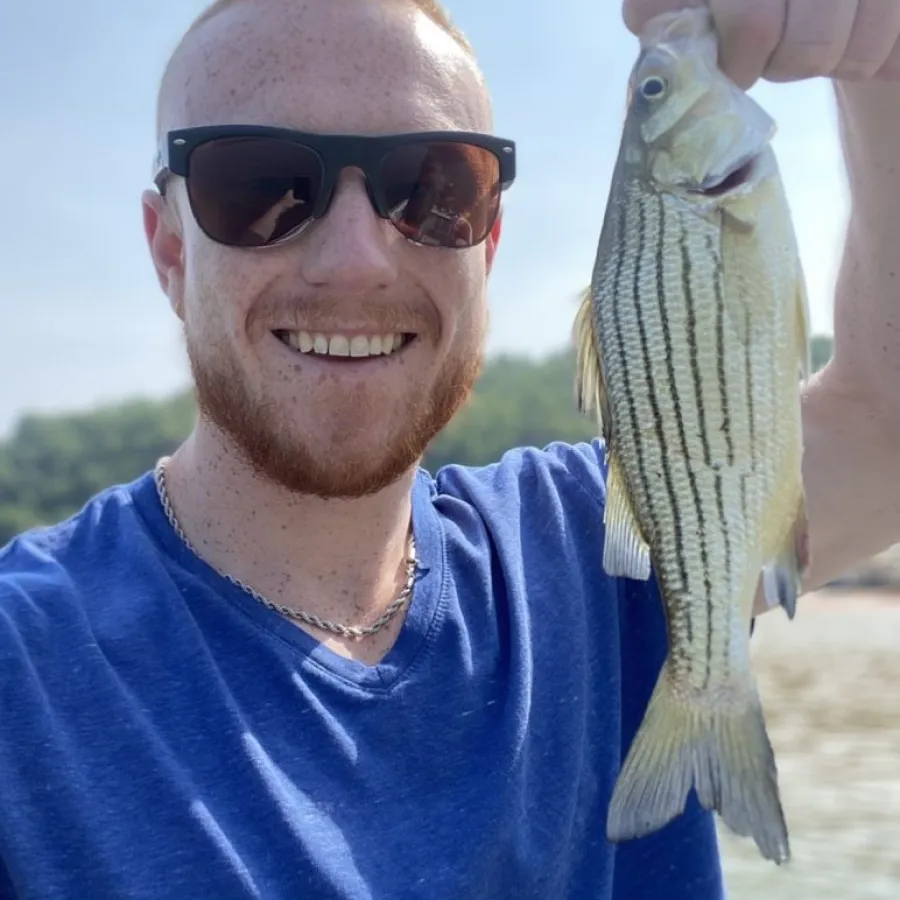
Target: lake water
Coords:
[[830, 684]]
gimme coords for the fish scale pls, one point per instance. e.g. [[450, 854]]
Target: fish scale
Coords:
[[692, 340], [673, 311]]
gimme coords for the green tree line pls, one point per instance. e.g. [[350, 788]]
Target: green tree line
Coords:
[[52, 464]]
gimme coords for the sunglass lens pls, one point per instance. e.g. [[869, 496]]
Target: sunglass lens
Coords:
[[443, 194], [251, 191]]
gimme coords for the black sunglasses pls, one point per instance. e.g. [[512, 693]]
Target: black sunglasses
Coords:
[[258, 185]]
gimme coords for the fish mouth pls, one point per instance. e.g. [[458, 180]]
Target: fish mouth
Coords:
[[736, 177]]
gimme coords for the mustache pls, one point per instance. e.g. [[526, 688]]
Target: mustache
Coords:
[[330, 313]]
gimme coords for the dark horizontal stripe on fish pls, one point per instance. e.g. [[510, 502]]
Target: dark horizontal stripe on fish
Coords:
[[723, 397], [685, 286], [652, 392], [620, 246], [720, 347], [686, 270], [751, 412], [687, 290]]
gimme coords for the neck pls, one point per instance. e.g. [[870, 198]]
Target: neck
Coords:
[[340, 560]]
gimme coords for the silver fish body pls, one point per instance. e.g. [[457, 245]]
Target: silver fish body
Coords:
[[692, 340]]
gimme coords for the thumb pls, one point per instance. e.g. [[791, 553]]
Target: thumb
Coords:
[[637, 13]]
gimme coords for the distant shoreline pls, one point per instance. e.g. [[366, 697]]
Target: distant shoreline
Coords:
[[844, 598]]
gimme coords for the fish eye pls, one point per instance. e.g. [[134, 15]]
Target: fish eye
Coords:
[[653, 87]]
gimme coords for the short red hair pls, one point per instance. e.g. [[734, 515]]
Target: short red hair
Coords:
[[432, 8]]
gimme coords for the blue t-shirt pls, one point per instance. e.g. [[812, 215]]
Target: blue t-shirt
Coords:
[[164, 736]]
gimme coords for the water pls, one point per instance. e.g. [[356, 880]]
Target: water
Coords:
[[830, 684]]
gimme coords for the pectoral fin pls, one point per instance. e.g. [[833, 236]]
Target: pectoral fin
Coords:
[[625, 550]]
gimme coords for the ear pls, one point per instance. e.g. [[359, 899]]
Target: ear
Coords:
[[166, 247], [493, 239]]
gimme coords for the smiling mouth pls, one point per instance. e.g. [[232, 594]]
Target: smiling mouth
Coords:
[[340, 346]]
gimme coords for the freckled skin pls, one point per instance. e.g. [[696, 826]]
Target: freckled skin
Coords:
[[280, 434], [290, 69]]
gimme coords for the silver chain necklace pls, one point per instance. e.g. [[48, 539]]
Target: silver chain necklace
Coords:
[[350, 631]]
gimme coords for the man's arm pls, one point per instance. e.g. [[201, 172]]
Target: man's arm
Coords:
[[857, 485], [851, 409]]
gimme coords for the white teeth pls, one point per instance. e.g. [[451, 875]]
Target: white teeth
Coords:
[[359, 346], [339, 345]]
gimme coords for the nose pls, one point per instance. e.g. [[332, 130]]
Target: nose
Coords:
[[351, 246]]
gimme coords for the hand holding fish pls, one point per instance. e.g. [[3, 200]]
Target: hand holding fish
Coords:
[[790, 40]]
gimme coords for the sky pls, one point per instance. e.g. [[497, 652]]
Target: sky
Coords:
[[84, 319]]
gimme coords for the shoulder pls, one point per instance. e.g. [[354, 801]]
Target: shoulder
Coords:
[[98, 523], [531, 475], [46, 572], [532, 508]]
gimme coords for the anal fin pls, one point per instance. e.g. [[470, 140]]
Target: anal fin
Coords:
[[783, 577]]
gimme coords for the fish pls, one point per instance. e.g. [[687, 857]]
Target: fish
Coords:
[[692, 346]]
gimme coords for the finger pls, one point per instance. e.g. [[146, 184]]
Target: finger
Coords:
[[637, 13], [815, 37], [749, 31], [872, 41]]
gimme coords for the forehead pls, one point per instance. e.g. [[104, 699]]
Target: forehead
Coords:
[[324, 65]]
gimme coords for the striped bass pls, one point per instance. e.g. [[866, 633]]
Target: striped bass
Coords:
[[692, 341]]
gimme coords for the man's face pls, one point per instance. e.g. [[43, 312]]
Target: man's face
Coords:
[[332, 426]]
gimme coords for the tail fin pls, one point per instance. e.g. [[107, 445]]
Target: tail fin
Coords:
[[724, 754]]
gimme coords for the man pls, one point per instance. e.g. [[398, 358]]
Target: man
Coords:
[[187, 710]]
